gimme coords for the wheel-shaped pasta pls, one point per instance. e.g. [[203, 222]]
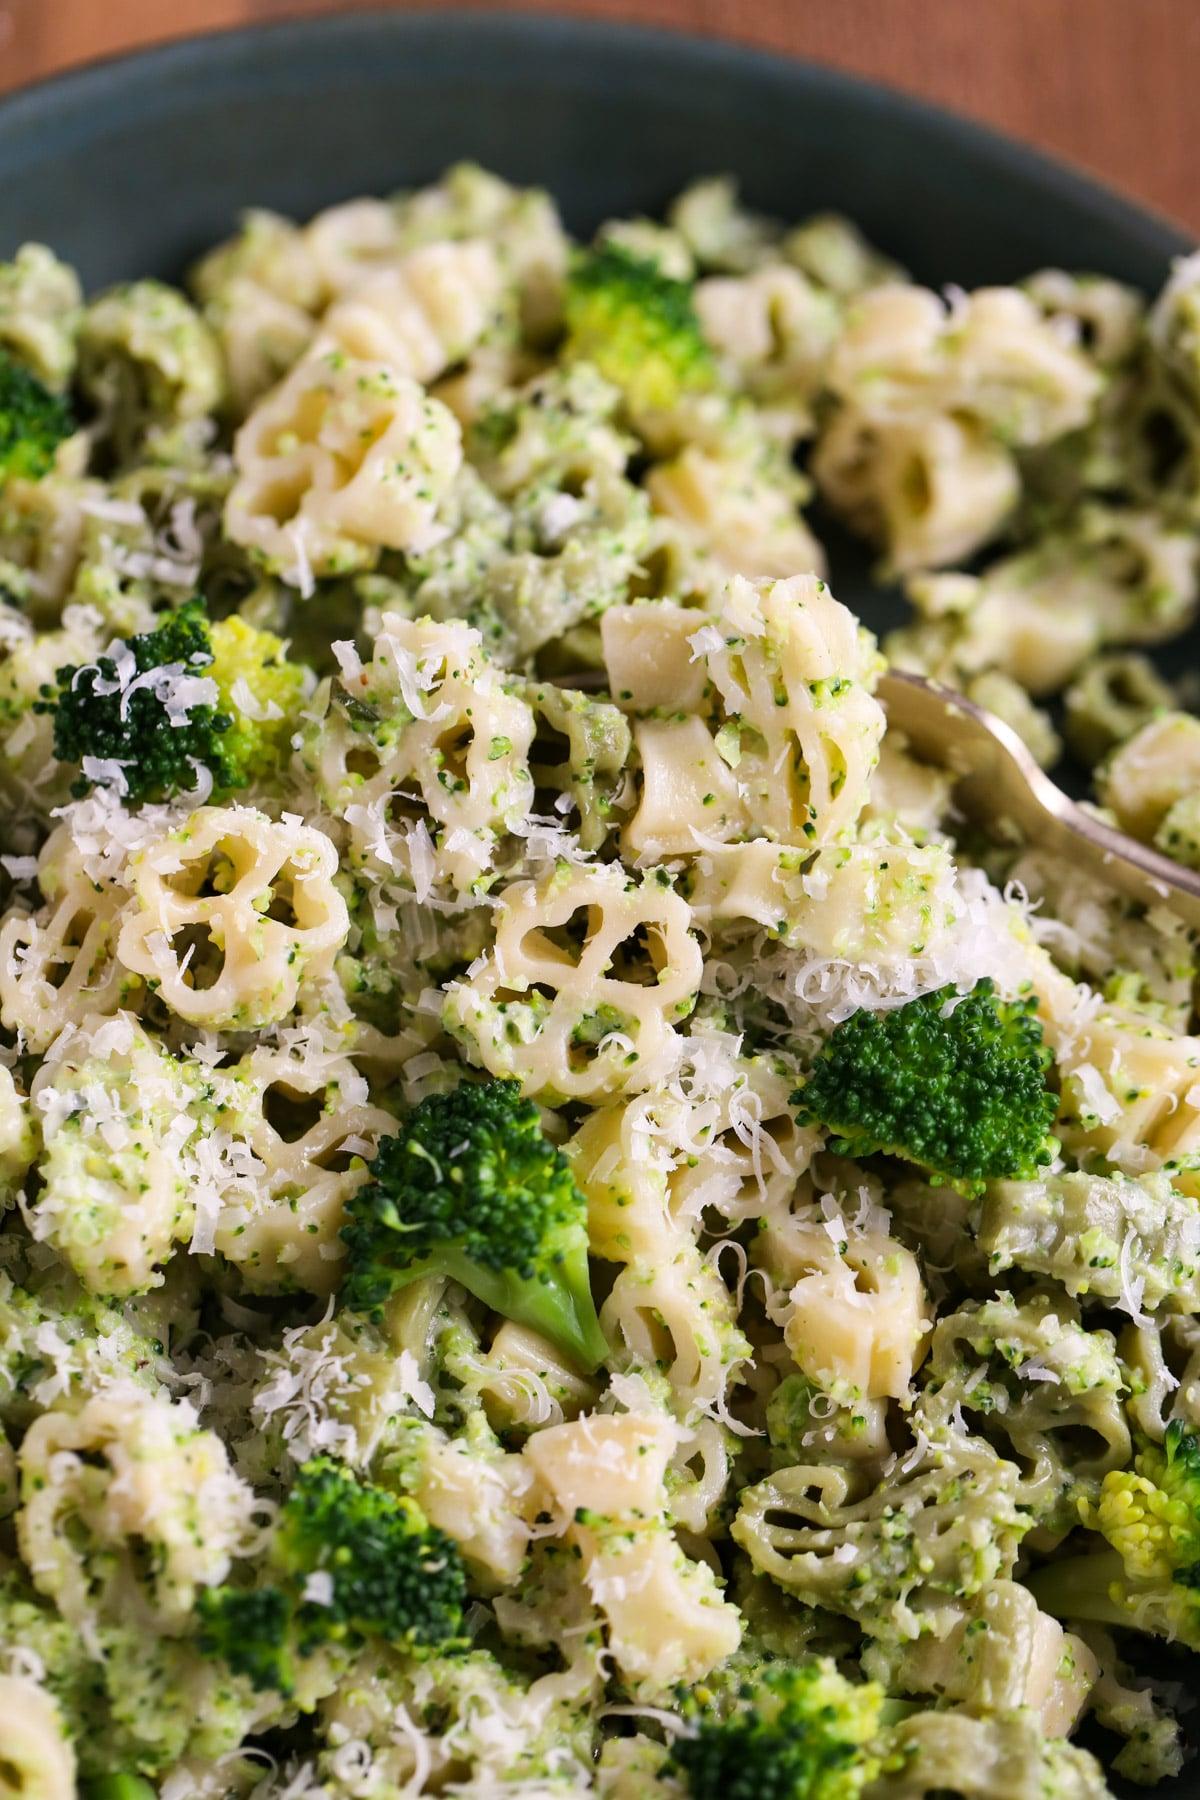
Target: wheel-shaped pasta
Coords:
[[649, 658], [427, 761], [40, 307], [774, 329], [262, 335], [423, 315], [678, 1316], [791, 669], [1130, 1087], [604, 1476], [59, 963], [928, 491], [1048, 1391], [230, 913], [478, 1500], [1156, 768], [904, 354], [128, 1507], [260, 292], [590, 975], [36, 1758], [733, 513], [306, 1126], [343, 459], [116, 1191], [857, 1318], [724, 1136]]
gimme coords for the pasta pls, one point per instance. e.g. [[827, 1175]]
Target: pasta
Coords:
[[565, 1223]]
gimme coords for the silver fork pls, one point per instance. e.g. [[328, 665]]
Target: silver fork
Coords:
[[1002, 786]]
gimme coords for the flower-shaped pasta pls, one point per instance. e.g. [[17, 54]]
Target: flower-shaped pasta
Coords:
[[428, 758], [230, 913], [857, 1312], [931, 491], [589, 976], [791, 672], [305, 1127], [58, 963], [39, 1763], [342, 459], [904, 354], [127, 1506], [424, 314]]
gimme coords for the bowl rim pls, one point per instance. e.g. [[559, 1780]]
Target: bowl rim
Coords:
[[125, 73]]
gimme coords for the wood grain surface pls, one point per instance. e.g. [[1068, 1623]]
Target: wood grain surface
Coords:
[[1109, 84]]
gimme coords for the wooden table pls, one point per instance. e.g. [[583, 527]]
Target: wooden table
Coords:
[[1111, 84]]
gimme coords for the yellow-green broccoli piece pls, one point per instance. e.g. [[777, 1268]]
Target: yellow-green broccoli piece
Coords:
[[639, 327], [798, 1732], [33, 422], [260, 691], [1148, 1579]]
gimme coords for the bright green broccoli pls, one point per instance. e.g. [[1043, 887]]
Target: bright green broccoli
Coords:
[[470, 1188], [120, 709], [348, 1562], [251, 1630], [798, 1732], [956, 1084], [33, 422], [120, 1787], [638, 327], [1149, 1577], [172, 699]]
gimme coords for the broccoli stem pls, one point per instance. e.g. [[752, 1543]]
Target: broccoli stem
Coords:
[[1080, 1587], [562, 1312], [119, 1787]]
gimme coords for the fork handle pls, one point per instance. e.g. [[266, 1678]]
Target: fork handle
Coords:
[[1001, 786]]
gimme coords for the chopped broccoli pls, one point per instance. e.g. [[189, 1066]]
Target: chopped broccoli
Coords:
[[120, 708], [957, 1085], [470, 1188], [348, 1562], [638, 327], [800, 1732], [33, 422], [249, 1628], [252, 666], [174, 698], [1149, 1577]]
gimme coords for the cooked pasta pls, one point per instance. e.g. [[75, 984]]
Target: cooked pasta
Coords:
[[566, 1228]]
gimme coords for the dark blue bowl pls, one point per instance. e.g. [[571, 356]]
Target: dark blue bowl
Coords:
[[133, 166]]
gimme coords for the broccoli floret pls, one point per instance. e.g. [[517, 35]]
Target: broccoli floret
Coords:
[[33, 422], [120, 709], [254, 747], [470, 1188], [799, 1732], [348, 1562], [957, 1085], [250, 1629], [638, 327], [1149, 1577]]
